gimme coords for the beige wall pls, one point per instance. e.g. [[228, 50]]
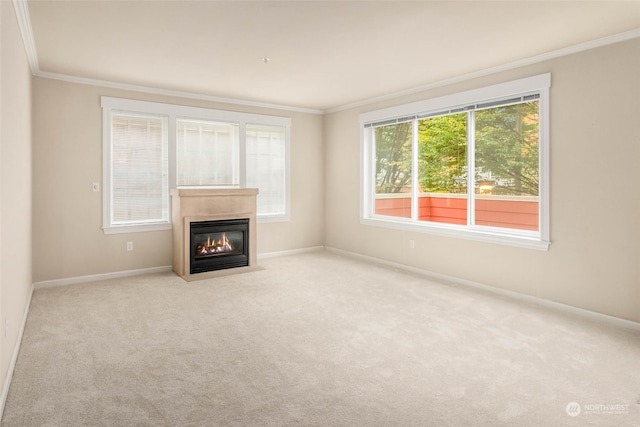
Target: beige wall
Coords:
[[594, 258], [15, 183], [67, 215]]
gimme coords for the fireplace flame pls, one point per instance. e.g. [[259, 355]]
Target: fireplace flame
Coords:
[[214, 246]]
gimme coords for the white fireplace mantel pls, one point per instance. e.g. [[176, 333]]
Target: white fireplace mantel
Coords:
[[210, 204]]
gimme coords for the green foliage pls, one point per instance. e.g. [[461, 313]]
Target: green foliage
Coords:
[[506, 152], [442, 154], [393, 157], [507, 148]]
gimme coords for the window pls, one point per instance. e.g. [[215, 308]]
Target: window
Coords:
[[208, 153], [471, 165], [149, 148], [266, 160], [139, 191]]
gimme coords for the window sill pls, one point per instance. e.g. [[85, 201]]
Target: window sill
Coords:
[[488, 236], [273, 218], [136, 228]]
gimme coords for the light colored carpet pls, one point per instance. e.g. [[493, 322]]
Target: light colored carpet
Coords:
[[316, 340]]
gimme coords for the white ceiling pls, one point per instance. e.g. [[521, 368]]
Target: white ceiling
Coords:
[[324, 54]]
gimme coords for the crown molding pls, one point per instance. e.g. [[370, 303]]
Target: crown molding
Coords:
[[616, 38], [24, 23], [172, 93]]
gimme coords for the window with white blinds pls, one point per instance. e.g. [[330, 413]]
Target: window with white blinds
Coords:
[[149, 148], [208, 153], [266, 166], [139, 173]]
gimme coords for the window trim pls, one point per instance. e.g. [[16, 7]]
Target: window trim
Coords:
[[173, 112], [505, 236]]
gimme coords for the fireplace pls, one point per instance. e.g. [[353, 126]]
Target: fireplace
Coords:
[[214, 231], [217, 245]]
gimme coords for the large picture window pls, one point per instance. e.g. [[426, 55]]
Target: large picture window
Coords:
[[149, 148], [472, 165]]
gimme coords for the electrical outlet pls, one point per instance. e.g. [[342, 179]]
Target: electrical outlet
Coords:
[[95, 187], [129, 246], [412, 244]]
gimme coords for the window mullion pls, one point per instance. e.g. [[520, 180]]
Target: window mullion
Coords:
[[242, 155], [415, 182], [369, 172], [471, 169], [543, 164], [173, 152]]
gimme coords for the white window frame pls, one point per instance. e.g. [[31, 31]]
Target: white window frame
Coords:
[[174, 112], [520, 238]]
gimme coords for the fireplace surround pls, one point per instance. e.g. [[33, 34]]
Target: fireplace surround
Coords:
[[214, 231]]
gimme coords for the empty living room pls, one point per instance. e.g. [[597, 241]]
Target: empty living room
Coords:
[[319, 213]]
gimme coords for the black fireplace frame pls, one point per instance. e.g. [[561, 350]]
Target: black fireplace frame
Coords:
[[222, 261]]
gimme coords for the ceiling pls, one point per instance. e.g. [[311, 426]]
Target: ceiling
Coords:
[[322, 55]]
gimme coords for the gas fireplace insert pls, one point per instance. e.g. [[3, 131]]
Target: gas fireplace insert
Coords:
[[218, 245]]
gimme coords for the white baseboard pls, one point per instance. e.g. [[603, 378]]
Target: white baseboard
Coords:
[[599, 317], [164, 269], [96, 277], [119, 274], [290, 252], [14, 356]]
